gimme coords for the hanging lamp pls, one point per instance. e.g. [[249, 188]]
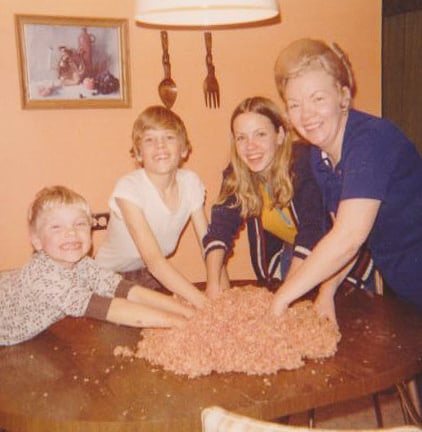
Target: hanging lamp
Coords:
[[205, 13]]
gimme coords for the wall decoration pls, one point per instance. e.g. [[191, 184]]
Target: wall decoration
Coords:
[[73, 62]]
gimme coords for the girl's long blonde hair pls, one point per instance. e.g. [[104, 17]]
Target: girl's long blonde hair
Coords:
[[245, 184]]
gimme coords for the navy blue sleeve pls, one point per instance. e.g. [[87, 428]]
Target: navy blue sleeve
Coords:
[[307, 203], [371, 153], [225, 224]]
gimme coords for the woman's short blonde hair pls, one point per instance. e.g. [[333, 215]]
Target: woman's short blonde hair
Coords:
[[55, 196], [158, 117], [304, 54]]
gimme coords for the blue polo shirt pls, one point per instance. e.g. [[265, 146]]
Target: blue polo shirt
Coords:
[[379, 162]]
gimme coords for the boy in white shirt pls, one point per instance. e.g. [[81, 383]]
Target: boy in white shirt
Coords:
[[151, 206]]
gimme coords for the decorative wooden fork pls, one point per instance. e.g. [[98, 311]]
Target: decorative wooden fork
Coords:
[[211, 88]]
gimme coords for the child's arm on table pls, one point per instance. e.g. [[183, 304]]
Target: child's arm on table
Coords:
[[150, 251], [126, 312], [137, 306], [156, 300]]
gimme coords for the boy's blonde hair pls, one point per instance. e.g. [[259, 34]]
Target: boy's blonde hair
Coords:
[[245, 184], [304, 54], [55, 196], [158, 117]]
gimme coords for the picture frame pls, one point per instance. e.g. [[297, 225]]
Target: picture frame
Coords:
[[71, 62]]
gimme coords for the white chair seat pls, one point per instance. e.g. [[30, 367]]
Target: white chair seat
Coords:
[[217, 419]]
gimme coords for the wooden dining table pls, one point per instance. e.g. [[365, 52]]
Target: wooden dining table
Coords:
[[67, 378]]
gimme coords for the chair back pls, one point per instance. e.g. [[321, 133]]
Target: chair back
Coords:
[[217, 419], [100, 221]]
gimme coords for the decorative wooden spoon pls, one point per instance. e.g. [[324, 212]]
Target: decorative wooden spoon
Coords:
[[167, 88]]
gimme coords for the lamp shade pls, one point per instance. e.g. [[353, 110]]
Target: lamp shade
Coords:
[[204, 13]]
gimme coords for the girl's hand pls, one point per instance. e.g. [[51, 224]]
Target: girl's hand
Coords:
[[213, 291], [279, 305]]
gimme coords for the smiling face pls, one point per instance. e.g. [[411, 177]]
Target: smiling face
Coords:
[[63, 232], [256, 140], [161, 151], [317, 108]]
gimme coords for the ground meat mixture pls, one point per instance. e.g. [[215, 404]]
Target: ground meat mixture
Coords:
[[236, 333]]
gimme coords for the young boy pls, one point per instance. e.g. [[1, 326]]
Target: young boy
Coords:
[[151, 206], [60, 279]]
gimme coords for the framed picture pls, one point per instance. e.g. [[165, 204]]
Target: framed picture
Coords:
[[73, 62]]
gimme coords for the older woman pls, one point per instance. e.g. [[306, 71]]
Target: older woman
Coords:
[[370, 175]]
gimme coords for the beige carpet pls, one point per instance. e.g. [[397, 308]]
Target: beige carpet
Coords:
[[356, 414]]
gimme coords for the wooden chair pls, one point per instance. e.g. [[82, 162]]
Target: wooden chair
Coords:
[[100, 221]]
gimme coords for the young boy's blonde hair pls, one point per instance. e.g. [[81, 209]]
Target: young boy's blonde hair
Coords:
[[158, 117], [55, 196]]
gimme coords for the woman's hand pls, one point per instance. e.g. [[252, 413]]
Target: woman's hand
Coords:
[[325, 307]]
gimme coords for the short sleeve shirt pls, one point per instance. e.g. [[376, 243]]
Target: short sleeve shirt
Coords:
[[379, 162], [118, 252], [43, 292]]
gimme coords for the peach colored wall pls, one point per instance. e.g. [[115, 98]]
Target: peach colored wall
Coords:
[[87, 149]]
